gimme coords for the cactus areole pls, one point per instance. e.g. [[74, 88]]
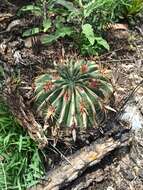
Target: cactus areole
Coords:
[[73, 97]]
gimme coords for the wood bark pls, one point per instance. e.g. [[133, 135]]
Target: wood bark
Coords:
[[66, 173]]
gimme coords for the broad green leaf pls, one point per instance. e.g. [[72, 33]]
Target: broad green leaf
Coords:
[[60, 33], [68, 5], [33, 9], [102, 42], [59, 21], [46, 24], [49, 38], [89, 33], [64, 31], [30, 32]]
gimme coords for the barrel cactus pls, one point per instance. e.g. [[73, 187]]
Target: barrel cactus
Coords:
[[74, 96]]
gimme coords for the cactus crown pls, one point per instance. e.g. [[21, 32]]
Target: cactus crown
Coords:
[[74, 96]]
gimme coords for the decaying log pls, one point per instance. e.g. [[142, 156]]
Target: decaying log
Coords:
[[63, 175], [88, 179], [24, 116]]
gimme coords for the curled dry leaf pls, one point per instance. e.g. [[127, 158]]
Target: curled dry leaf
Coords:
[[118, 31]]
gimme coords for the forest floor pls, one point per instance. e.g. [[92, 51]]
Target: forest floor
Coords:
[[122, 169]]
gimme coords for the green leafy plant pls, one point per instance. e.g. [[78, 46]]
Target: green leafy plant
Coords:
[[128, 9], [75, 96], [20, 162], [81, 20], [40, 9], [68, 15], [134, 7], [90, 43], [37, 10]]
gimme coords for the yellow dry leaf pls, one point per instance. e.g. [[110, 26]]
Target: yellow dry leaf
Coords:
[[92, 156]]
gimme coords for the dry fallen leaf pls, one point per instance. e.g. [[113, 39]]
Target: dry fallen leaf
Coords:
[[4, 16], [92, 156]]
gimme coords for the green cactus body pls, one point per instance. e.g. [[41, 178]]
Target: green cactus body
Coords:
[[75, 97]]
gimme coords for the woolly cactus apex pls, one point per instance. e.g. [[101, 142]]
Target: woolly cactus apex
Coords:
[[75, 97]]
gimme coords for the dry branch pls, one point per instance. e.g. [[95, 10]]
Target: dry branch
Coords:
[[66, 173], [24, 116]]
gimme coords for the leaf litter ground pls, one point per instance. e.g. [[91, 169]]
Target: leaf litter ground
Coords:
[[126, 62]]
